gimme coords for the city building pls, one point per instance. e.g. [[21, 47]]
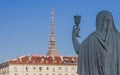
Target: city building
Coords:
[[51, 64]]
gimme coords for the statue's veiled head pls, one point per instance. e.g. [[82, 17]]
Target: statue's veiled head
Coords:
[[104, 22]]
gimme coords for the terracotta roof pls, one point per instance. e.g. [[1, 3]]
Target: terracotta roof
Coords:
[[38, 59]]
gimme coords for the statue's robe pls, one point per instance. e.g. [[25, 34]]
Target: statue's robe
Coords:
[[99, 53]]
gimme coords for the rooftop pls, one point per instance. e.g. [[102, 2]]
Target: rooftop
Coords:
[[41, 60]]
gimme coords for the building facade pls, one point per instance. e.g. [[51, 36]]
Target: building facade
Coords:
[[40, 65]]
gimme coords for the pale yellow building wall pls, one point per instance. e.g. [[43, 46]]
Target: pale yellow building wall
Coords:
[[39, 70]]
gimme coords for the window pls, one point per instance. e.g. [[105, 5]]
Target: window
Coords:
[[34, 74], [53, 74], [73, 68], [15, 73], [40, 74], [53, 69], [60, 74], [33, 68], [47, 68], [40, 68], [66, 69], [26, 73], [27, 68], [47, 74], [15, 69], [59, 68]]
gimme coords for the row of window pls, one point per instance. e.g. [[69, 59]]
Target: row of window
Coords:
[[47, 68], [49, 74]]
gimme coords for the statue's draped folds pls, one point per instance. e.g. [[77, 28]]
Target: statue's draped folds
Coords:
[[99, 53]]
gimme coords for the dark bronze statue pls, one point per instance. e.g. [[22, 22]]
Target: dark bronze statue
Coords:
[[99, 53]]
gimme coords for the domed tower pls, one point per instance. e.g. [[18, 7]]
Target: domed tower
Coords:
[[52, 43]]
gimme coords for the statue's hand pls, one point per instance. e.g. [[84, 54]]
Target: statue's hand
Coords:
[[75, 31]]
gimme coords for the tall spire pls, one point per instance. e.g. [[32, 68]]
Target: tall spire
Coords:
[[52, 46]]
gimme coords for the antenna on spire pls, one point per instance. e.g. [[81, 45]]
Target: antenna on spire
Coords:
[[52, 25]]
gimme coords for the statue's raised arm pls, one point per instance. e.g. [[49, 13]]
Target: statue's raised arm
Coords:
[[75, 33]]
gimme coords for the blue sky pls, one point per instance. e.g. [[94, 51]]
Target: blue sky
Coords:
[[25, 24]]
